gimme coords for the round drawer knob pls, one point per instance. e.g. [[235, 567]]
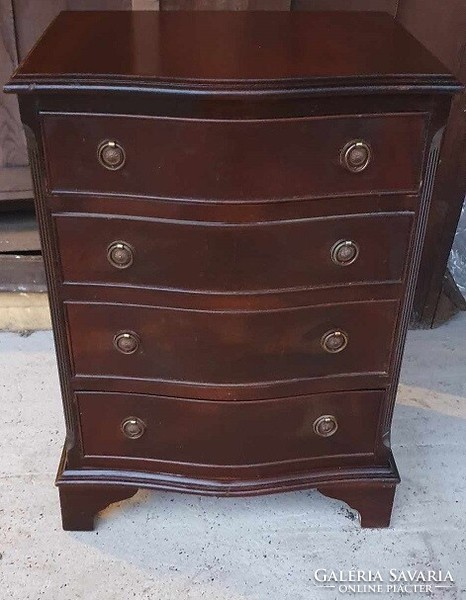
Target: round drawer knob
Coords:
[[126, 342], [111, 155], [334, 341], [325, 426], [344, 253], [120, 255], [356, 156], [133, 428]]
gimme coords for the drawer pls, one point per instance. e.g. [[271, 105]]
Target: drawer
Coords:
[[232, 160], [179, 345], [241, 258], [252, 433]]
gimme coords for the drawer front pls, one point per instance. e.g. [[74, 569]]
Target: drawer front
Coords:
[[230, 347], [214, 257], [228, 433], [212, 160]]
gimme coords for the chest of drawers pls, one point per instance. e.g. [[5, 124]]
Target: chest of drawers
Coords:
[[232, 208]]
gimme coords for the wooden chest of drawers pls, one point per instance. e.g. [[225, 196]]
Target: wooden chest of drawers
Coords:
[[232, 209]]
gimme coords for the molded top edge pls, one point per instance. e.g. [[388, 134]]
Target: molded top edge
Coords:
[[229, 53]]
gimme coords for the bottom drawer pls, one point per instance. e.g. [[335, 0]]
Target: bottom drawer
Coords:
[[152, 432]]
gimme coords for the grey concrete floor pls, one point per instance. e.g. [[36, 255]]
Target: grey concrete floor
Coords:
[[161, 546]]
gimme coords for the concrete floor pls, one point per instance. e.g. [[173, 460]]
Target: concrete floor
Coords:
[[165, 546]]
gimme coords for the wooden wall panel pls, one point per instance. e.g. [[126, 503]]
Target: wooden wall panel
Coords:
[[441, 26], [12, 143], [389, 6]]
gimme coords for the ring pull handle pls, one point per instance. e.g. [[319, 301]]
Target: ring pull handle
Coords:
[[344, 253], [111, 155], [133, 428], [126, 342], [120, 255], [325, 426], [356, 156], [334, 341]]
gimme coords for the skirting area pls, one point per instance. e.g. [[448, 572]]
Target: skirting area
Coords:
[[169, 547]]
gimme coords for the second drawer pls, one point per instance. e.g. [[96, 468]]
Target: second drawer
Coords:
[[241, 258]]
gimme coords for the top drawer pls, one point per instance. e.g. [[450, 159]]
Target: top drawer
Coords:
[[213, 160]]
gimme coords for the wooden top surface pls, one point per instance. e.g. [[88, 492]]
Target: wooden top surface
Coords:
[[229, 51]]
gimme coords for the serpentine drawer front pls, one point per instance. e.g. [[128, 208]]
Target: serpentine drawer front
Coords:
[[214, 257], [232, 235], [171, 344], [234, 160], [261, 437]]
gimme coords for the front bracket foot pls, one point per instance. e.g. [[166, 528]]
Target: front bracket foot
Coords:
[[81, 503], [373, 501]]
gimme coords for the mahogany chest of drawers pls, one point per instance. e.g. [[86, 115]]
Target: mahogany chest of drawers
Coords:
[[232, 208]]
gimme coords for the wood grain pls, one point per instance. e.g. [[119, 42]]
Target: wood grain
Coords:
[[241, 259], [225, 4], [276, 159], [388, 6], [226, 359], [441, 26], [256, 438]]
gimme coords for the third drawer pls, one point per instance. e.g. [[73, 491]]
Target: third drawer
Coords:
[[247, 348]]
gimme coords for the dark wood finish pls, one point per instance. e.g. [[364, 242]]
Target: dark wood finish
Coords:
[[289, 56], [212, 257], [225, 4], [264, 160], [389, 6], [80, 504], [427, 19], [197, 362], [374, 503], [270, 346], [248, 439]]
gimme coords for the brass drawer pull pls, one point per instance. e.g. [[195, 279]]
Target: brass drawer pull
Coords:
[[356, 156], [325, 426], [344, 252], [334, 341], [111, 155], [133, 428], [126, 342], [120, 255]]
